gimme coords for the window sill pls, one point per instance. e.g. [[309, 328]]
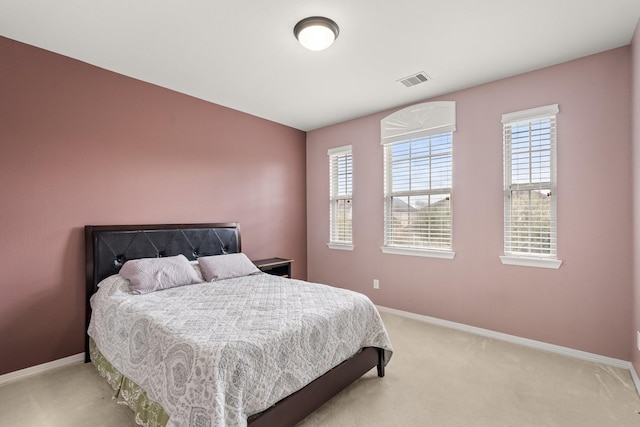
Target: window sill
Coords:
[[531, 262], [429, 253], [340, 246]]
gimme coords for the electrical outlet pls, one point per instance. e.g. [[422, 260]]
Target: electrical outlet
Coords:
[[376, 285]]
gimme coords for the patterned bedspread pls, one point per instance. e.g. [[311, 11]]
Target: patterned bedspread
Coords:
[[214, 353]]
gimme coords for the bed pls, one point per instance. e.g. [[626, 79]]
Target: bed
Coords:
[[108, 248]]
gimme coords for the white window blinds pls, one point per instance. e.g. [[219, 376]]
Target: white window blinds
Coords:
[[341, 187], [530, 183], [418, 192]]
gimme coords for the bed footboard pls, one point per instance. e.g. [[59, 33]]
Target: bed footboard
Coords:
[[297, 406]]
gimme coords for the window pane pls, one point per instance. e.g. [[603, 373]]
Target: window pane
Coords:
[[401, 176], [435, 221], [420, 174], [422, 221], [343, 175], [530, 144], [541, 166], [441, 172], [420, 147], [531, 223], [401, 150], [342, 221]]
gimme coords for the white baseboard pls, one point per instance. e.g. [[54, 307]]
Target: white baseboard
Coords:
[[636, 380], [539, 345], [27, 372]]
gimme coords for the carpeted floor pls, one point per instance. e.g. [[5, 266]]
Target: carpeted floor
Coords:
[[437, 377]]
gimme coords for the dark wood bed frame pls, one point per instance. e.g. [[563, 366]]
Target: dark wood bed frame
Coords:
[[107, 247]]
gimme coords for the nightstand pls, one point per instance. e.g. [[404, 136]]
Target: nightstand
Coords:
[[275, 266]]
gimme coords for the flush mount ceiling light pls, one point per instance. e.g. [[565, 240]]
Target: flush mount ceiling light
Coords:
[[316, 32]]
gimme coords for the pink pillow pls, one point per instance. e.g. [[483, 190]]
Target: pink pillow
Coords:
[[153, 274], [220, 267]]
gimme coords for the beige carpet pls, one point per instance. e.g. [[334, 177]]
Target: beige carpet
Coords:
[[437, 377]]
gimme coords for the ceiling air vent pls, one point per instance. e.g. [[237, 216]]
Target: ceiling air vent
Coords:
[[415, 79]]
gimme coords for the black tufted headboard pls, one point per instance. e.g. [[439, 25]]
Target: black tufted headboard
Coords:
[[108, 247]]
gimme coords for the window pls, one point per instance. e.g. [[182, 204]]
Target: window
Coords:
[[341, 187], [530, 187], [417, 180]]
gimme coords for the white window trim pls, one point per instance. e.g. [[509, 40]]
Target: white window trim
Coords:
[[531, 114], [531, 262], [345, 149], [539, 262], [340, 247], [428, 253]]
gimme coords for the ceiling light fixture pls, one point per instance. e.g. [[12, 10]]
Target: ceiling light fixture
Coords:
[[316, 32]]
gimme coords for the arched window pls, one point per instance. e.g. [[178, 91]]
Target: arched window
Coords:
[[417, 143]]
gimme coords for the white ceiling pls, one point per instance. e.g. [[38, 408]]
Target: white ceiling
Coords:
[[242, 53]]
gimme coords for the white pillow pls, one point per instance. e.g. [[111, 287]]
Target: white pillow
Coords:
[[220, 267], [152, 274]]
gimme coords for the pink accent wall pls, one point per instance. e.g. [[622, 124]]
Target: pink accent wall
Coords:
[[80, 145], [585, 304], [635, 56]]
